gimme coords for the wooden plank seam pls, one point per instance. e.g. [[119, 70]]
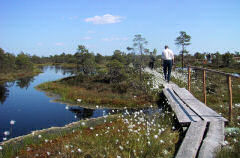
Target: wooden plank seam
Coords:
[[188, 106], [188, 115]]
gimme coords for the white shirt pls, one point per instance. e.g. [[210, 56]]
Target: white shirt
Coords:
[[167, 54]]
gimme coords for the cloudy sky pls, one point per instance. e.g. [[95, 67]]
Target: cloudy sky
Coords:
[[48, 27]]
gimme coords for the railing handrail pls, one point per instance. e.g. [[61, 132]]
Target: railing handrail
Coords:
[[215, 71], [229, 82]]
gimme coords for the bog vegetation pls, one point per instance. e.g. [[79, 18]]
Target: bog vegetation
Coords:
[[118, 81], [123, 135]]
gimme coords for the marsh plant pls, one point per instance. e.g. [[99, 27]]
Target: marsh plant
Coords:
[[123, 135]]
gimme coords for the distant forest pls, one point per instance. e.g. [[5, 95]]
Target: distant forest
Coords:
[[89, 60]]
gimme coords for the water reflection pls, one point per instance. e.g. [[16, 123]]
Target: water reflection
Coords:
[[32, 109], [82, 113], [63, 70], [24, 82], [4, 93]]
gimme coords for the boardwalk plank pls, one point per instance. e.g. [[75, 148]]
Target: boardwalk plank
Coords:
[[197, 106], [189, 109], [192, 140], [183, 113], [213, 140]]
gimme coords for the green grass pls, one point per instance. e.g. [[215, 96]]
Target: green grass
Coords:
[[136, 135]]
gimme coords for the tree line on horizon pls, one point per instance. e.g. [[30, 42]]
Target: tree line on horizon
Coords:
[[136, 55]]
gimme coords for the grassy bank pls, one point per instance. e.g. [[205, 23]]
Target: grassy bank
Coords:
[[105, 88], [94, 93], [123, 135], [11, 76]]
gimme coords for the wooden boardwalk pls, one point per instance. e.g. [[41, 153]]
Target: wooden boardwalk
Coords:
[[205, 133]]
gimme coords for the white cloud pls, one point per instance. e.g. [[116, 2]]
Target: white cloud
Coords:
[[87, 38], [115, 39], [105, 19], [59, 44]]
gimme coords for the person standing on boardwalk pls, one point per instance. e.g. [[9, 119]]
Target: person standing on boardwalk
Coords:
[[152, 60], [168, 60]]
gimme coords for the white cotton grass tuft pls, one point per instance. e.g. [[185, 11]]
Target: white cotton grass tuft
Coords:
[[6, 133], [4, 139], [29, 149], [79, 150], [225, 142], [83, 123], [12, 122], [165, 152], [121, 148], [66, 107], [39, 136], [237, 105], [79, 100], [1, 147]]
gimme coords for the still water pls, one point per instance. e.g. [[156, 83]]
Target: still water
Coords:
[[32, 109]]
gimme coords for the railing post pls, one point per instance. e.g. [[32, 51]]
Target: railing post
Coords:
[[204, 87], [229, 80], [189, 79]]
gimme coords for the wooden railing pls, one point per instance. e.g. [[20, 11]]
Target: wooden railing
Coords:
[[229, 82]]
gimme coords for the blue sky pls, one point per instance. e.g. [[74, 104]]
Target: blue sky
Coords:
[[48, 27]]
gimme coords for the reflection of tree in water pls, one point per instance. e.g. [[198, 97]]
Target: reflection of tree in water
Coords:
[[64, 71], [42, 68], [69, 71], [4, 92], [57, 68], [24, 82], [82, 113], [10, 84]]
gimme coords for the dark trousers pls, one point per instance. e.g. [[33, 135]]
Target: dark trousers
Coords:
[[167, 68], [151, 64]]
